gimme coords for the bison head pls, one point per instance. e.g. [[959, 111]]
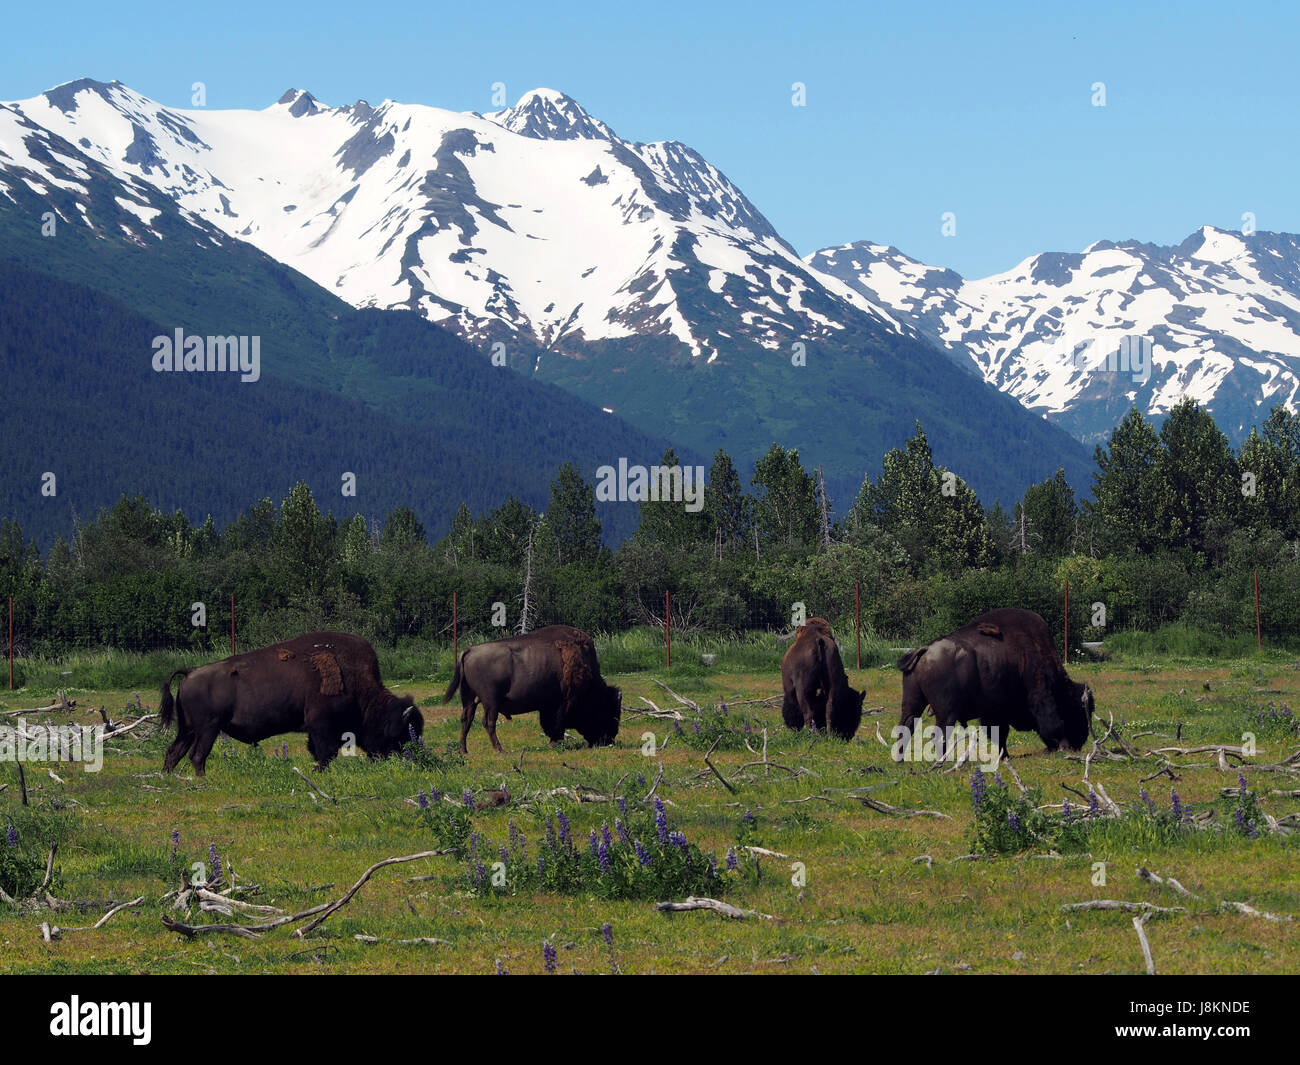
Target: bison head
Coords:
[[1066, 724], [597, 718], [844, 711], [390, 726]]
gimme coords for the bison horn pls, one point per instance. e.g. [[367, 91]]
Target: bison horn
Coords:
[[406, 714]]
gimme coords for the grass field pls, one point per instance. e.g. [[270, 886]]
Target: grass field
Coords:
[[870, 901]]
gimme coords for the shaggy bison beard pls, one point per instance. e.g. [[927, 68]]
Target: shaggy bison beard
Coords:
[[597, 720], [390, 728]]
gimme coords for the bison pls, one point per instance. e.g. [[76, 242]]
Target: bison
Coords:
[[324, 683], [552, 670], [815, 687], [1003, 669]]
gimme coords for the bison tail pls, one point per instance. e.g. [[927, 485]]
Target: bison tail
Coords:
[[168, 707], [908, 662], [455, 677]]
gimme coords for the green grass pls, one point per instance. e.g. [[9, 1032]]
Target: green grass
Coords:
[[867, 904]]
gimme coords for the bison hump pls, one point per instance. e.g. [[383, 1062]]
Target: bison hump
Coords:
[[574, 674], [331, 678]]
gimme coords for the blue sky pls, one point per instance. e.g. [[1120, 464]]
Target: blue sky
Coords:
[[913, 109]]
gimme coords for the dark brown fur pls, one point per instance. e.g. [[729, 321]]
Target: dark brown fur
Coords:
[[1002, 669], [815, 687], [326, 684], [552, 670]]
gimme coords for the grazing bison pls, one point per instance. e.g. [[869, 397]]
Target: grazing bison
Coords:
[[1003, 669], [814, 685], [552, 670], [324, 683]]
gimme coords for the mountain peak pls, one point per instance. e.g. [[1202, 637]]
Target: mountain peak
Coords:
[[299, 102], [64, 96], [547, 114]]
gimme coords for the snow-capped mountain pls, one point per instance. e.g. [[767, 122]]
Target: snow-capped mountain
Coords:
[[536, 222], [1083, 336]]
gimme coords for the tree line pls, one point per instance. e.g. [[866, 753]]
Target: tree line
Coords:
[[1175, 524]]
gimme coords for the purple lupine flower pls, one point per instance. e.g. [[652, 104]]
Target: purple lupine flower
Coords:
[[550, 832], [1240, 816], [12, 836], [564, 827], [621, 829], [640, 780], [678, 840], [501, 969], [415, 736], [467, 797], [214, 860], [504, 854], [1251, 830], [593, 841], [1176, 804], [733, 863], [541, 864], [696, 723], [1013, 822], [548, 956], [176, 839], [1065, 809], [605, 835], [622, 805], [473, 844], [661, 820], [1241, 780], [422, 800], [480, 875], [978, 785], [677, 726], [749, 818], [602, 856], [1151, 806], [1094, 804], [607, 933], [643, 855], [997, 779], [514, 834], [713, 867], [435, 795]]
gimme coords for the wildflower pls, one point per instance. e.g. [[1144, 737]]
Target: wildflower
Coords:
[[1240, 816], [1176, 804], [176, 839], [1094, 804], [749, 818], [733, 863], [1151, 806], [501, 969], [214, 860], [696, 723], [677, 726], [13, 836], [997, 779], [415, 736], [467, 797], [548, 956], [1251, 830], [605, 835], [504, 854], [621, 829], [678, 840], [640, 780], [514, 834], [1013, 822], [1065, 809], [592, 841], [541, 864], [480, 875], [607, 933], [1241, 781], [550, 832], [661, 820], [643, 855], [422, 800], [978, 786], [602, 856], [622, 805], [435, 795], [473, 844], [722, 707], [564, 827]]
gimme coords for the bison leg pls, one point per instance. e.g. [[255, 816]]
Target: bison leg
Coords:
[[179, 748], [790, 712], [468, 701], [203, 742], [490, 724], [323, 747]]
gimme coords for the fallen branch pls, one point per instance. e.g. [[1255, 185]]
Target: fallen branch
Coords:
[[726, 909], [1250, 911], [329, 909], [313, 787], [1139, 924], [684, 702], [1166, 881], [428, 941], [1119, 904], [120, 730], [895, 811], [708, 763]]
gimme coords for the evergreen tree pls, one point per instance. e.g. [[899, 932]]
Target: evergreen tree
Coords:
[[572, 517], [1125, 487], [785, 512]]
